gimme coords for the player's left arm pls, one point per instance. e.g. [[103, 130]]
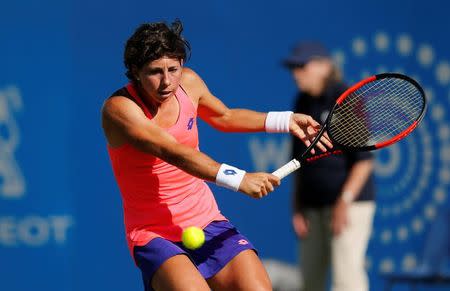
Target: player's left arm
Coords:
[[214, 112]]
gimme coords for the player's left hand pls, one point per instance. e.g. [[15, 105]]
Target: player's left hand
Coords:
[[306, 128]]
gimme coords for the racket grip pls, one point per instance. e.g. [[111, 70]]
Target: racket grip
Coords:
[[288, 168]]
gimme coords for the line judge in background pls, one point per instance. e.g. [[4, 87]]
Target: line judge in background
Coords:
[[333, 198]]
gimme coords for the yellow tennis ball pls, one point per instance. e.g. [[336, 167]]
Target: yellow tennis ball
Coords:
[[193, 237]]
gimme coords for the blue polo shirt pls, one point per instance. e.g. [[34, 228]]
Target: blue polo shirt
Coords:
[[319, 183]]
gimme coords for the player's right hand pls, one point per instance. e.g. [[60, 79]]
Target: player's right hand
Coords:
[[258, 185]]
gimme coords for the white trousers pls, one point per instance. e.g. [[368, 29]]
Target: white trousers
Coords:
[[344, 253]]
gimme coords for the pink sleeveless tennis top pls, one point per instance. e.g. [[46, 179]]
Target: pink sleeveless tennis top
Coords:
[[159, 199]]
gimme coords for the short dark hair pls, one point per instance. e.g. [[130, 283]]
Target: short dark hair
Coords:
[[151, 41]]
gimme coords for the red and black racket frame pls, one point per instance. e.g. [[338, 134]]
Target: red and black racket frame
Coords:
[[338, 148]]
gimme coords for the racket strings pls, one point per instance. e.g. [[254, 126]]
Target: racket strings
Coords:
[[356, 104], [376, 112], [387, 130]]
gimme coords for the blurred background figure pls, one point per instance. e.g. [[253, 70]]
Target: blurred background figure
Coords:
[[333, 198]]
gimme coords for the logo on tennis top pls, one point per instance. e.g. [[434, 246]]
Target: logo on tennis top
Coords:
[[190, 123], [229, 172], [12, 184]]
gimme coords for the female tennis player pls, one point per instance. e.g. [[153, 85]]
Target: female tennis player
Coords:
[[151, 130]]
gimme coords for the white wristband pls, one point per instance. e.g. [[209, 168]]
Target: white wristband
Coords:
[[229, 177], [278, 121]]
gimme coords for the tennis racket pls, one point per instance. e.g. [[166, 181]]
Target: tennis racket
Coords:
[[374, 113]]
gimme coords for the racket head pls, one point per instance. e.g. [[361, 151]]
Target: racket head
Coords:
[[376, 112]]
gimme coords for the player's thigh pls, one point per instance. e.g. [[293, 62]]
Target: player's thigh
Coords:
[[244, 272], [178, 273]]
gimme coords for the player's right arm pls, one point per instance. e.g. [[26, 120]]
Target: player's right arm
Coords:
[[124, 122]]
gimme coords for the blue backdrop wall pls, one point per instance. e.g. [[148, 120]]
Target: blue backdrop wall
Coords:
[[60, 209]]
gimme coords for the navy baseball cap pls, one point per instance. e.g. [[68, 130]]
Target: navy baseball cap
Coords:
[[303, 52]]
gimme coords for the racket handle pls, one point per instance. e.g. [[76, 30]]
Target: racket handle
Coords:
[[288, 168]]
